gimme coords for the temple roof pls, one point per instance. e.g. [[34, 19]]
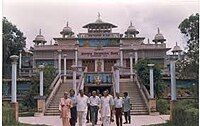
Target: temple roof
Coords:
[[67, 30], [159, 37], [176, 48], [39, 38], [99, 22]]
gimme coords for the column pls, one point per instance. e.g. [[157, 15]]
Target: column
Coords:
[[102, 66], [74, 78], [41, 68], [151, 81], [14, 103], [95, 64], [59, 61], [76, 56], [20, 59], [173, 86], [136, 57], [121, 57], [117, 78], [173, 80], [14, 59], [131, 66], [179, 55], [65, 66]]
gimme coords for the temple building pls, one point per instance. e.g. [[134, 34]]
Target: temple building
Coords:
[[98, 49]]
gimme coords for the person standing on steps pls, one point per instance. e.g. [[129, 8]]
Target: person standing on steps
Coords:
[[64, 109], [127, 108], [73, 119], [82, 104], [94, 107], [118, 103]]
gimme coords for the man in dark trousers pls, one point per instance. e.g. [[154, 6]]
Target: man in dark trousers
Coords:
[[127, 108], [118, 102], [73, 110]]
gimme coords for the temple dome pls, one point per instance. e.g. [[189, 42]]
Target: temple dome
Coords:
[[177, 48], [159, 37], [67, 30], [39, 39], [132, 30]]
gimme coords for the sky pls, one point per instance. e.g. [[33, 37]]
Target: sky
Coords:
[[147, 15]]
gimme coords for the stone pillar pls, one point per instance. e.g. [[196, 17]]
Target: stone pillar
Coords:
[[151, 81], [65, 67], [14, 103], [136, 57], [173, 86], [121, 57], [102, 66], [131, 67], [41, 97], [20, 59], [59, 61], [41, 68], [74, 68], [76, 56], [95, 65], [117, 78]]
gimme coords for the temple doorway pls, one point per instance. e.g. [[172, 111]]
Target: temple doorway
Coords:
[[89, 89]]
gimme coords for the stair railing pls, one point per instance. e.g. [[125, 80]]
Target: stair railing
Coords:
[[143, 91], [80, 85], [55, 85]]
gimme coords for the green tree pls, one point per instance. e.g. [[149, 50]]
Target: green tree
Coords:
[[143, 73], [188, 68], [13, 41], [49, 75]]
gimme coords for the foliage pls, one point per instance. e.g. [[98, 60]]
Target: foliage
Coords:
[[143, 73], [7, 115], [13, 41], [189, 67], [49, 75], [163, 106], [185, 113]]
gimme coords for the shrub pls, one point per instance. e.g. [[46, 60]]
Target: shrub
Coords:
[[7, 115], [163, 106], [185, 114]]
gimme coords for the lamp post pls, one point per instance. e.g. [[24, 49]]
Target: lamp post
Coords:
[[14, 103]]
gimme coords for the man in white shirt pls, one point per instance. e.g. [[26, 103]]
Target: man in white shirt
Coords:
[[118, 102], [106, 105], [82, 103], [94, 107]]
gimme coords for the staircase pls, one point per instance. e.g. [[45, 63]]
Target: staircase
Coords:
[[138, 105], [54, 103]]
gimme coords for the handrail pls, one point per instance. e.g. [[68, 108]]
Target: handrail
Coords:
[[143, 91], [54, 81], [56, 84], [80, 85]]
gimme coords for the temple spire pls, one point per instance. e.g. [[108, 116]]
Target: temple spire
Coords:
[[40, 32], [131, 24], [99, 16], [67, 23], [176, 44], [158, 30]]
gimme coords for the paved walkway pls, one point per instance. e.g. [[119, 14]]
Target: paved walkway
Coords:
[[137, 120]]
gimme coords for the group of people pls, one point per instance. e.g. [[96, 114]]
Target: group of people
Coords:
[[74, 108]]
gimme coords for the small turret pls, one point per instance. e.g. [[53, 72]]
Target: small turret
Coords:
[[159, 37], [67, 31], [131, 31], [39, 39]]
